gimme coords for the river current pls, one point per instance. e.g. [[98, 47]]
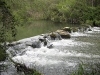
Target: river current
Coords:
[[63, 58]]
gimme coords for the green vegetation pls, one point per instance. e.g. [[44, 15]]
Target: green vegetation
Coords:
[[70, 11], [7, 26], [22, 68], [19, 17], [76, 11], [2, 54], [63, 11], [7, 22], [25, 11], [88, 69]]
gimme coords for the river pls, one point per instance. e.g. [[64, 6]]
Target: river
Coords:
[[39, 27], [63, 58]]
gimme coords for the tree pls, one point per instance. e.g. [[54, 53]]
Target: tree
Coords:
[[7, 26], [7, 22]]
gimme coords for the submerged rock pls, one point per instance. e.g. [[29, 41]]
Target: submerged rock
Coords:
[[50, 46], [13, 44]]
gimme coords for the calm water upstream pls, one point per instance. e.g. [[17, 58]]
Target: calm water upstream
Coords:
[[38, 27], [63, 58]]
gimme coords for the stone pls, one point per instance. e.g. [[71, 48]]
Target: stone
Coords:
[[68, 29], [55, 36], [50, 46], [75, 29], [36, 44], [63, 34]]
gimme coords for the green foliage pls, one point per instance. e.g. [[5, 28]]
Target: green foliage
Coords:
[[2, 53], [71, 11], [75, 11], [89, 22], [60, 12], [7, 22], [7, 26], [88, 69], [34, 73], [25, 11], [98, 22]]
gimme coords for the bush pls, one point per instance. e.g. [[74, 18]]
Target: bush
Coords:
[[89, 22], [98, 22], [88, 69], [2, 54]]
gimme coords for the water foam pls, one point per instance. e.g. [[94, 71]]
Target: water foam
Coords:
[[77, 34], [44, 56], [96, 29], [70, 42]]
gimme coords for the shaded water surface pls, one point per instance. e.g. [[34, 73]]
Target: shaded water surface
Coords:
[[38, 27]]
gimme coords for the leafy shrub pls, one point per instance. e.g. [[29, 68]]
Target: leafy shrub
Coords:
[[88, 69], [90, 22], [2, 54], [98, 22]]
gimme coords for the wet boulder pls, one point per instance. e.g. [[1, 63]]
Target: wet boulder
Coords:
[[28, 43], [89, 29], [68, 29], [13, 44], [55, 36], [36, 44], [50, 46], [41, 39], [75, 29], [63, 34], [58, 31]]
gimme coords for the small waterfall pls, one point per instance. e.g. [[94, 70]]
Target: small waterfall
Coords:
[[90, 27], [72, 31]]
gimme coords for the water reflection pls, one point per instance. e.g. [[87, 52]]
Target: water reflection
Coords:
[[39, 27]]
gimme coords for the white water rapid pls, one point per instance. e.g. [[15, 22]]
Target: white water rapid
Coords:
[[65, 55]]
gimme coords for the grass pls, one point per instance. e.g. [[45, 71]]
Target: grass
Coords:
[[88, 69]]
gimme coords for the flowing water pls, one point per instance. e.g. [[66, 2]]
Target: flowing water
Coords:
[[63, 58]]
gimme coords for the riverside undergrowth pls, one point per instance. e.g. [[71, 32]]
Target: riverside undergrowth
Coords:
[[88, 69]]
